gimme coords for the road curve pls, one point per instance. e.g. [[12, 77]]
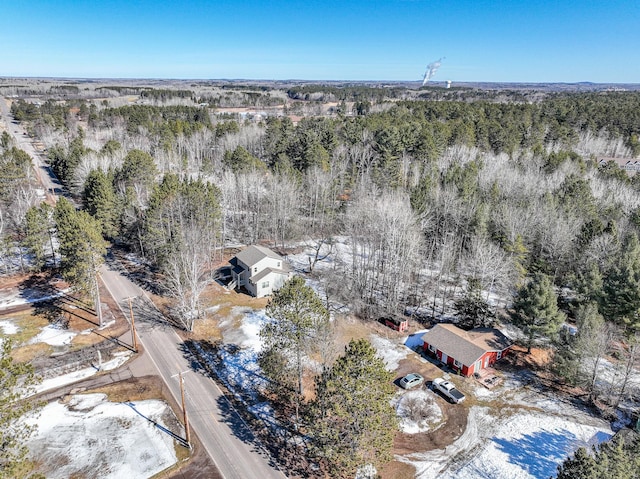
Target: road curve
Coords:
[[227, 439]]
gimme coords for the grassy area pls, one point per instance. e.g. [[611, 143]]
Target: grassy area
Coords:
[[29, 325], [138, 389], [218, 304], [397, 470]]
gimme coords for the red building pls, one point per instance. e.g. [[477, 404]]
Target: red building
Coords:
[[465, 351]]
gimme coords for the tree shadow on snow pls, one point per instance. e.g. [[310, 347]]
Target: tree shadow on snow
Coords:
[[539, 453], [175, 436]]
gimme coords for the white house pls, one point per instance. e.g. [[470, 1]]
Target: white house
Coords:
[[259, 270]]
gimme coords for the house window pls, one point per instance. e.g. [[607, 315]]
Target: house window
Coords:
[[265, 284], [278, 264], [457, 364], [432, 348], [255, 270], [499, 354]]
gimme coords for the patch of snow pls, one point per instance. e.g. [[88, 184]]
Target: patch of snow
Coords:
[[327, 255], [251, 324], [85, 402], [8, 327], [529, 446], [92, 437], [390, 352], [482, 392], [134, 259], [623, 420], [417, 410], [17, 297], [241, 372], [512, 332], [264, 411], [54, 335], [368, 471]]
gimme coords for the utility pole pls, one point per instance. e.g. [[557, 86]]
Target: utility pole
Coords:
[[184, 411], [134, 341], [96, 274], [98, 307]]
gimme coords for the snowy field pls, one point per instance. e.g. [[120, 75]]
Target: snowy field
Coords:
[[525, 445], [94, 438]]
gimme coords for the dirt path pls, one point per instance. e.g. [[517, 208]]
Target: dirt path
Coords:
[[455, 416]]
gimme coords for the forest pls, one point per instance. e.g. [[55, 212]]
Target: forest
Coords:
[[431, 194], [489, 206]]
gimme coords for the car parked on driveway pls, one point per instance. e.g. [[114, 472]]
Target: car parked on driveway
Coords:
[[448, 389], [411, 380]]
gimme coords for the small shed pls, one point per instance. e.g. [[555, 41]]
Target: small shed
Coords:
[[399, 324], [467, 352]]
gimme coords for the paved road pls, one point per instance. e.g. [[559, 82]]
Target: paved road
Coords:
[[223, 434], [45, 176]]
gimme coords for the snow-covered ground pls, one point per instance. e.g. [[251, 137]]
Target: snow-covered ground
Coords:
[[414, 341], [54, 335], [418, 411], [527, 446], [525, 439], [238, 366], [92, 437], [8, 327], [523, 445], [391, 352]]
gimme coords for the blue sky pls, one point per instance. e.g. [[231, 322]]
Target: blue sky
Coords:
[[499, 40]]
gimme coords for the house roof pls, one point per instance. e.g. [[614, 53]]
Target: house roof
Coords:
[[253, 254], [465, 346], [267, 271]]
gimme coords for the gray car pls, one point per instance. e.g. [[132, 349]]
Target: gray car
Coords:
[[411, 380]]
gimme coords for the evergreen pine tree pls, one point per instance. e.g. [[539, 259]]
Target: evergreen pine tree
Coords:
[[473, 311], [39, 227], [351, 421], [15, 379], [82, 247], [100, 202], [298, 317], [535, 309]]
